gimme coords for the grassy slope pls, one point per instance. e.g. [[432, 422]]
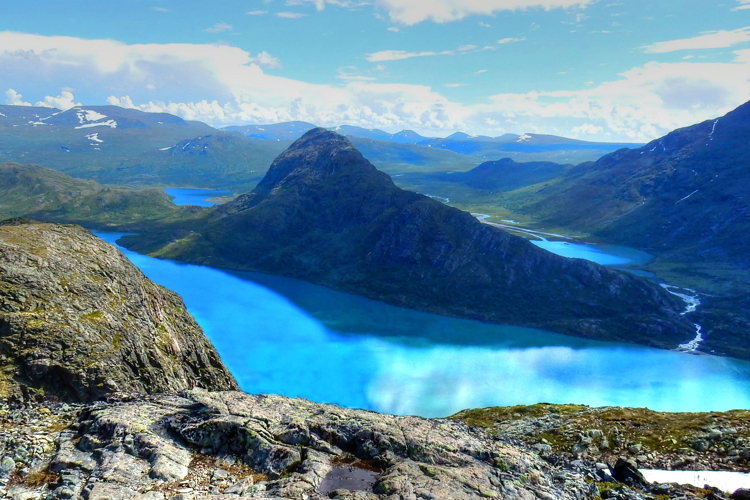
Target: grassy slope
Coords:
[[43, 194]]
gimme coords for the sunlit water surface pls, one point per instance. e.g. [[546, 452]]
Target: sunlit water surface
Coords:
[[197, 197], [285, 336]]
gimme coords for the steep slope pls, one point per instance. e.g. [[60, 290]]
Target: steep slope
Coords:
[[325, 214], [44, 194], [79, 321], [682, 196]]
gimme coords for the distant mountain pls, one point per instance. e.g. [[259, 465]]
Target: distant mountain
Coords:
[[47, 195], [682, 196], [525, 147], [506, 175], [288, 131], [114, 145], [325, 214]]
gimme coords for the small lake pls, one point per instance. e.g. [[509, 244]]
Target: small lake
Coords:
[[606, 255], [285, 336], [197, 197]]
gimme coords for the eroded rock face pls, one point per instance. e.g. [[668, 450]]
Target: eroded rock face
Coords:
[[78, 321], [205, 444]]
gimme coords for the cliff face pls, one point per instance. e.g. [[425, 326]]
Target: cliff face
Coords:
[[323, 213], [78, 321]]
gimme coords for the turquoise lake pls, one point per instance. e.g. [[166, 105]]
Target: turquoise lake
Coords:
[[285, 336], [197, 197]]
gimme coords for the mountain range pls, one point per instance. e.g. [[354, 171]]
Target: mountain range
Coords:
[[521, 146]]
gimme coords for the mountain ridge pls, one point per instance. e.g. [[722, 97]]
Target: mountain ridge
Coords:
[[325, 214]]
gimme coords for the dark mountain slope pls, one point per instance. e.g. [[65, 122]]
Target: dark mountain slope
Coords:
[[325, 214], [682, 196], [507, 175]]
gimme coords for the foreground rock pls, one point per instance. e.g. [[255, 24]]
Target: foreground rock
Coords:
[[648, 439], [223, 445], [78, 321]]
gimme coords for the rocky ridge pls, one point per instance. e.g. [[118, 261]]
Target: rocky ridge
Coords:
[[79, 321]]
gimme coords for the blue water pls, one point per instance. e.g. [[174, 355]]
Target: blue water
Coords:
[[285, 336], [607, 255], [197, 197]]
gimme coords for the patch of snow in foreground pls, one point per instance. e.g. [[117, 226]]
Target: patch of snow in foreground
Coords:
[[108, 123], [94, 137], [3, 115], [724, 480], [164, 149]]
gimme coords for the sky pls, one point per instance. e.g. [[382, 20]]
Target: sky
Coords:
[[599, 70]]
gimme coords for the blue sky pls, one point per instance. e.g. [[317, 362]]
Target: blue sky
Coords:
[[604, 70]]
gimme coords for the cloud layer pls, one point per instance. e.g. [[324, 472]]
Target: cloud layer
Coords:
[[225, 85], [410, 12], [710, 40]]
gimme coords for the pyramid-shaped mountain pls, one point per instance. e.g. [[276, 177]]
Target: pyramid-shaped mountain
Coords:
[[325, 214]]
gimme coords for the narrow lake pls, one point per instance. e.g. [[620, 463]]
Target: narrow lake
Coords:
[[285, 336], [197, 197]]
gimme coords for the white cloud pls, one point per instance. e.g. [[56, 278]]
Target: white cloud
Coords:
[[485, 25], [744, 4], [710, 40], [219, 28], [510, 40], [467, 47], [224, 85], [398, 55], [13, 98], [480, 72], [394, 29], [410, 12], [455, 85], [291, 15], [266, 60], [350, 73], [588, 129], [256, 12], [64, 101], [123, 102]]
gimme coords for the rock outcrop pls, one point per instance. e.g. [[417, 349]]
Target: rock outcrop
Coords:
[[209, 445], [79, 321], [323, 213]]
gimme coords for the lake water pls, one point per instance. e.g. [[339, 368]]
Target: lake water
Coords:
[[197, 197], [285, 336]]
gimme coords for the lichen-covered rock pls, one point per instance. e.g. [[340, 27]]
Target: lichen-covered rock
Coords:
[[78, 321]]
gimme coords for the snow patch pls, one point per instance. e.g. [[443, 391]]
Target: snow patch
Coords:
[[711, 135], [94, 137], [165, 149], [724, 480], [524, 137], [686, 197], [87, 115], [3, 115], [108, 123]]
